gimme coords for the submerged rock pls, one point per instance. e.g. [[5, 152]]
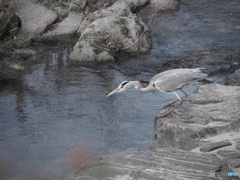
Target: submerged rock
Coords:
[[155, 165]]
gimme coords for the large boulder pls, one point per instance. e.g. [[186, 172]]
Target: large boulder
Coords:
[[161, 164], [35, 18], [105, 36]]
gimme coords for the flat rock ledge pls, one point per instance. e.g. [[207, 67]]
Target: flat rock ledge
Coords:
[[164, 164]]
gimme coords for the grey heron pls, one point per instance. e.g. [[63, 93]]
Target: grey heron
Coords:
[[167, 81]]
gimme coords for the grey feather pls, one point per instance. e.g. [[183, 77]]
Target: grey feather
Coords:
[[176, 79]]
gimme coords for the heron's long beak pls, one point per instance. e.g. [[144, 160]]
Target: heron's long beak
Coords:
[[117, 90]]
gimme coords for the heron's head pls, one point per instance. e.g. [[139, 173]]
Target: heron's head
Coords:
[[122, 87]]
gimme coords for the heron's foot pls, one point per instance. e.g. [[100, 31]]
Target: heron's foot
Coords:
[[163, 116], [166, 106], [170, 105]]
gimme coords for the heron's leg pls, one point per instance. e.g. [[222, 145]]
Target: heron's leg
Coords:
[[180, 103], [185, 94], [170, 105]]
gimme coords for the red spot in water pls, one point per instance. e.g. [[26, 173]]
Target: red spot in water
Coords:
[[79, 158]]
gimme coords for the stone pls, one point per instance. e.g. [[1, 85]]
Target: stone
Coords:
[[79, 4], [160, 164], [66, 28], [233, 79], [235, 163], [216, 145], [35, 18], [25, 53], [229, 154], [238, 145], [163, 5]]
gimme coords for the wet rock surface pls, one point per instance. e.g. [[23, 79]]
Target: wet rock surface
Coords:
[[165, 163]]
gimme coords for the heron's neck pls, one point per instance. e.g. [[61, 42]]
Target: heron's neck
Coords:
[[139, 87]]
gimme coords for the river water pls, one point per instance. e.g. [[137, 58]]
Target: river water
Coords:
[[57, 116]]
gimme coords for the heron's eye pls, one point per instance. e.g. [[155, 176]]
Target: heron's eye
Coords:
[[123, 83]]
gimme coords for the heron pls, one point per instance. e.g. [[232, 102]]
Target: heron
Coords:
[[167, 81]]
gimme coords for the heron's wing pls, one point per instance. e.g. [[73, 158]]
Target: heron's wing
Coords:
[[176, 79]]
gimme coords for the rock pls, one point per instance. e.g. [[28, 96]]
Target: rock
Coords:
[[212, 110], [212, 146], [105, 36], [229, 154], [119, 8], [66, 28], [238, 145], [35, 18], [232, 157], [156, 164], [78, 4], [25, 53], [233, 79], [16, 66], [235, 163], [162, 5]]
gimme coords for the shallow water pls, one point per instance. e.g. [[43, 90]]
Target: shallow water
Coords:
[[58, 116]]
